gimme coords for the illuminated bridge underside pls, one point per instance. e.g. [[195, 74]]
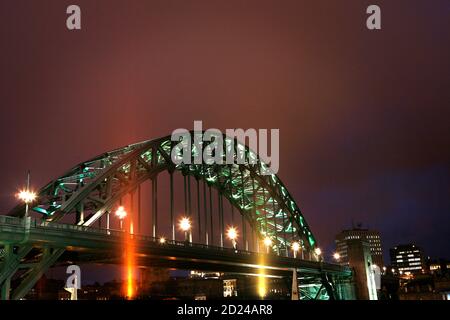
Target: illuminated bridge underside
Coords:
[[95, 186], [84, 244]]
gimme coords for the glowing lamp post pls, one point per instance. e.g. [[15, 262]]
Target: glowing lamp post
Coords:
[[232, 235], [267, 243], [337, 256], [294, 293], [27, 196], [318, 253], [295, 248], [185, 226], [121, 214]]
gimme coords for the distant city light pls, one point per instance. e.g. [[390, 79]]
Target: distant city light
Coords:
[[336, 256], [295, 246], [162, 240], [318, 251]]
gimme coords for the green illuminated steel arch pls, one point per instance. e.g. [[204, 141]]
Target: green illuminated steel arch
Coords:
[[96, 185]]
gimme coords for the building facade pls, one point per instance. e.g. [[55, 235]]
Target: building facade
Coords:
[[407, 259], [372, 237], [360, 260]]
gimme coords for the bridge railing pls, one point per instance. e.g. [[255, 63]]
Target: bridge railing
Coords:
[[11, 220], [63, 226], [185, 244], [42, 224], [20, 224]]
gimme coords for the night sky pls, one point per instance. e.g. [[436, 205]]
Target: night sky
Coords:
[[364, 116]]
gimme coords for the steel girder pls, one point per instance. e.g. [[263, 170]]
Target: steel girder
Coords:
[[93, 187], [47, 259]]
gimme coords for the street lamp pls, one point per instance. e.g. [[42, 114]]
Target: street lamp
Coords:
[[336, 256], [295, 248], [26, 195], [185, 225], [318, 252], [294, 293], [267, 243], [232, 235], [121, 214], [162, 240]]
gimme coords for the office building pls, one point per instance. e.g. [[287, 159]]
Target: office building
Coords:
[[372, 237], [407, 259]]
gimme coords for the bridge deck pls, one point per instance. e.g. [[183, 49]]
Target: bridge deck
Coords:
[[106, 246]]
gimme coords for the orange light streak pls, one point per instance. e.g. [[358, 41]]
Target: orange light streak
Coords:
[[130, 265]]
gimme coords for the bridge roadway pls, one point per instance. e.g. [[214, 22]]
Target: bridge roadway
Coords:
[[87, 244]]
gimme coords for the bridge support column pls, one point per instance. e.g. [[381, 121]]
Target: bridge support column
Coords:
[[172, 223], [11, 261], [232, 214], [274, 213], [198, 211], [139, 209], [132, 216], [327, 283], [244, 233], [211, 214], [244, 229], [155, 206], [254, 215], [185, 193], [48, 259], [189, 199], [205, 208], [5, 288], [219, 208], [294, 293], [80, 214], [5, 277]]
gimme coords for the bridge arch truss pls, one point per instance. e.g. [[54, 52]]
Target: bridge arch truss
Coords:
[[94, 187]]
